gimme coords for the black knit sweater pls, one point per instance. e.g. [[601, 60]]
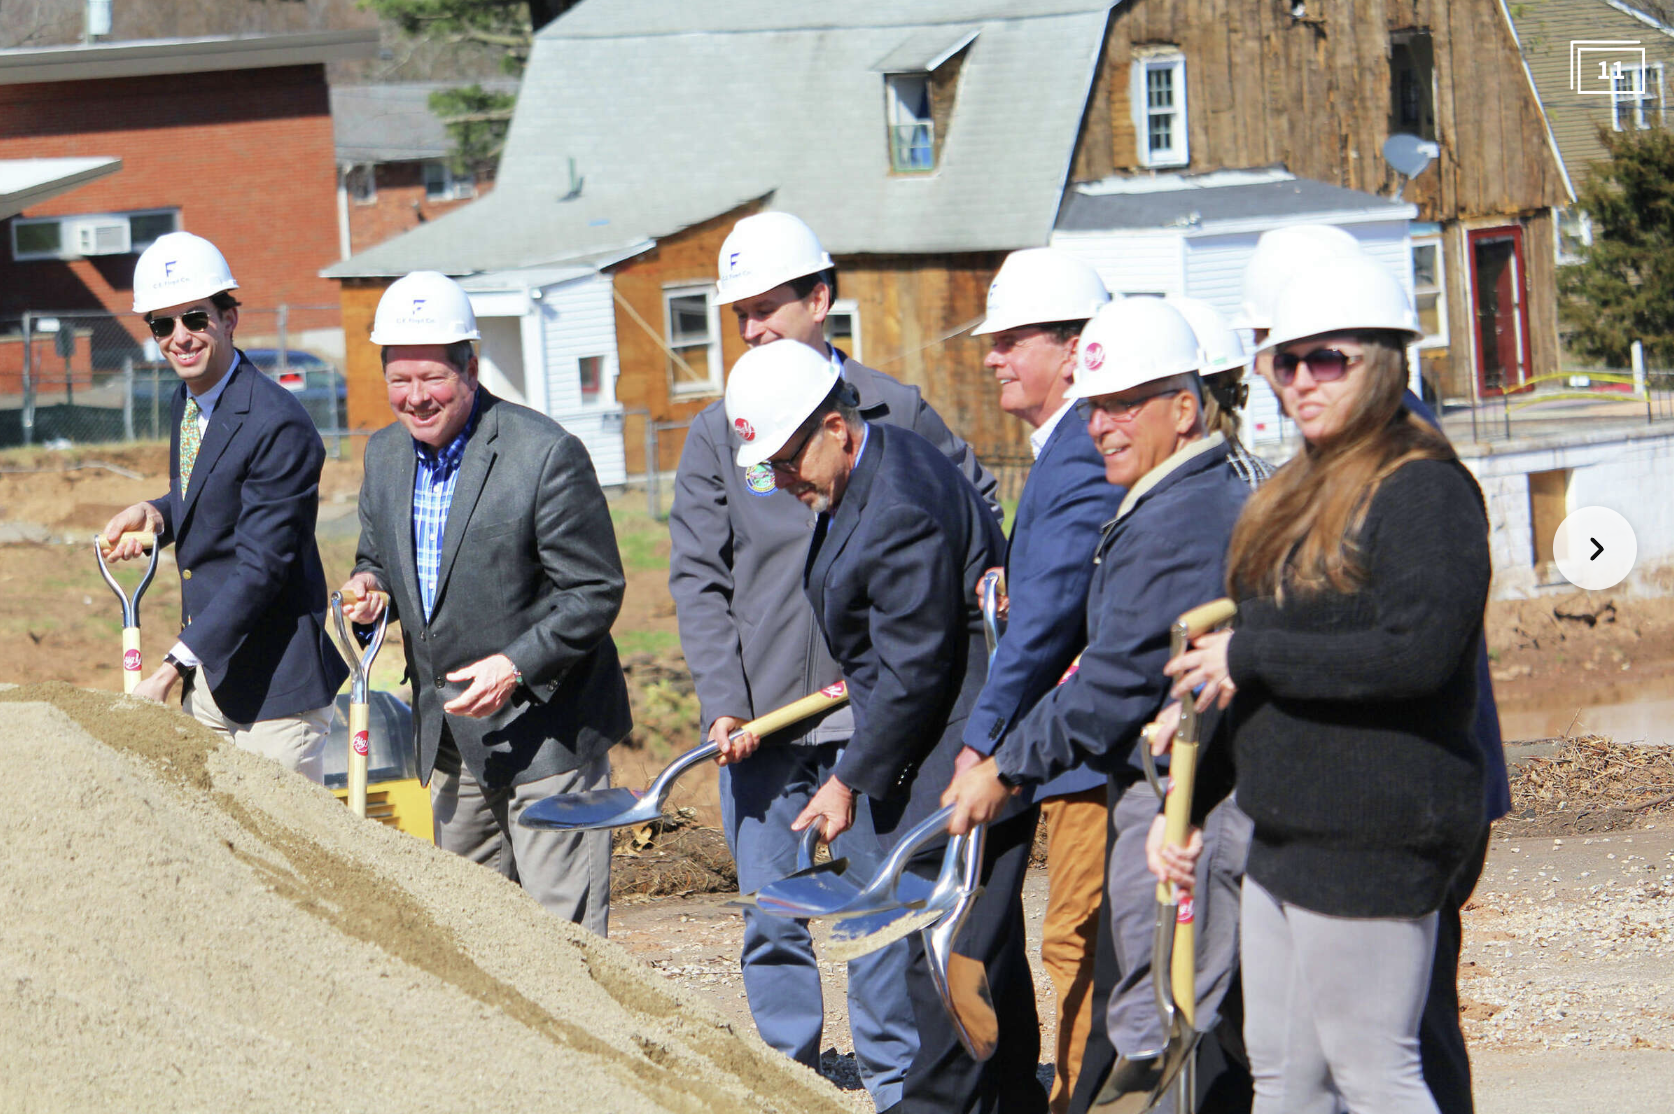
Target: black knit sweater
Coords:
[[1351, 727]]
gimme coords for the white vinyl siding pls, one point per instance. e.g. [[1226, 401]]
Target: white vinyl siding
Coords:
[[579, 321]]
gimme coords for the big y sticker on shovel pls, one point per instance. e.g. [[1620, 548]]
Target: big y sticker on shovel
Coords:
[[361, 745], [131, 660]]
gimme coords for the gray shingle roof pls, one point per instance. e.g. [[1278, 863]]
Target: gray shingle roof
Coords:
[[1186, 201], [675, 112], [392, 123]]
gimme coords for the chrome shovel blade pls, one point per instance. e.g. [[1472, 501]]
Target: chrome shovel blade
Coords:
[[590, 811]]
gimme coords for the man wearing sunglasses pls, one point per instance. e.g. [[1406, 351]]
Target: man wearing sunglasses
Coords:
[[244, 471]]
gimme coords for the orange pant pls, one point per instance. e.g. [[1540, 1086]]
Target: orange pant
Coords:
[[1075, 843]]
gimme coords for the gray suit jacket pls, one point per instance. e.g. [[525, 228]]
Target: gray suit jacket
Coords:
[[529, 569]]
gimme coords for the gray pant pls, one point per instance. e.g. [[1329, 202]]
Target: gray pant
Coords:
[[1331, 1009], [567, 872], [1131, 1018]]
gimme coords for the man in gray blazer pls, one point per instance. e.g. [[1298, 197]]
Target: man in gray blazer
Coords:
[[484, 522]]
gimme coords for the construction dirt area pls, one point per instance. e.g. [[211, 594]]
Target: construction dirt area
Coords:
[[187, 927]]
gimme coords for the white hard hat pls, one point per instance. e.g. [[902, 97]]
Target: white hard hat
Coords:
[[771, 391], [1278, 255], [1130, 342], [764, 251], [1342, 295], [178, 268], [1222, 350], [1037, 286], [425, 307]]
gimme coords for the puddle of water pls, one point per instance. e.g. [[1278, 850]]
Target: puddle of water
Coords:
[[1641, 721]]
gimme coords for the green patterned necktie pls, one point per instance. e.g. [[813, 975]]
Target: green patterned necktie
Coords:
[[190, 439]]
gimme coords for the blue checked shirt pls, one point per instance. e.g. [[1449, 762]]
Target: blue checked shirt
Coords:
[[433, 482]]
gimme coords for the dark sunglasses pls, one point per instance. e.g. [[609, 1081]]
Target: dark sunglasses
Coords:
[[792, 464], [195, 320], [1326, 365]]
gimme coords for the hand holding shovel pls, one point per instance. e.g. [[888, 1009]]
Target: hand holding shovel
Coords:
[[360, 668], [129, 544], [621, 808]]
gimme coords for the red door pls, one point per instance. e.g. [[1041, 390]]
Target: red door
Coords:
[[1500, 304]]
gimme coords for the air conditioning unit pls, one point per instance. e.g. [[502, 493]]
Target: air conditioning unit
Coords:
[[100, 236]]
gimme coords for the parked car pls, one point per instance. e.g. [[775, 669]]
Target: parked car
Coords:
[[311, 379]]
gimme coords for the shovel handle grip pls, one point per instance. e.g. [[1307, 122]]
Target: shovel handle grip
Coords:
[[832, 696], [1201, 620], [352, 596], [146, 538]]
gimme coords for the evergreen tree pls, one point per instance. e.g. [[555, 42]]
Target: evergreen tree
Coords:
[[1624, 290]]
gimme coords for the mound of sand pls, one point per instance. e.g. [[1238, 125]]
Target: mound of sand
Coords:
[[188, 927]]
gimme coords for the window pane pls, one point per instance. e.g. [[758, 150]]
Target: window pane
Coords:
[[839, 330], [695, 369], [1162, 133], [1424, 264], [1429, 315], [435, 180], [592, 370], [913, 147], [43, 237], [1159, 88], [688, 317], [910, 101], [146, 227]]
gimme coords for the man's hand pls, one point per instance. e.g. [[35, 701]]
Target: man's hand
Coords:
[[1173, 864], [832, 808], [1160, 731], [492, 681], [968, 758], [1003, 608], [732, 750], [977, 796], [156, 687], [139, 517], [368, 604]]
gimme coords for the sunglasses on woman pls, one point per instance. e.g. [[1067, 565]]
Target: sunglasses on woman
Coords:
[[195, 320], [1326, 365]]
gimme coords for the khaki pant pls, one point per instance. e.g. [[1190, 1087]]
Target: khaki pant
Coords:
[[1075, 839], [295, 742], [567, 872]]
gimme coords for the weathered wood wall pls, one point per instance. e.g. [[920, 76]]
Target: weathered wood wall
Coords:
[[1314, 95], [363, 370]]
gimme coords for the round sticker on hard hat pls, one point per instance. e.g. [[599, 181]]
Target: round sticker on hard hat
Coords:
[[746, 432], [1092, 356], [759, 479]]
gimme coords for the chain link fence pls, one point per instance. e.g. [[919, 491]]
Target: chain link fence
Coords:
[[84, 377]]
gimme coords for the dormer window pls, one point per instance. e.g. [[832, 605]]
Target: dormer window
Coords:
[[1158, 96], [912, 129]]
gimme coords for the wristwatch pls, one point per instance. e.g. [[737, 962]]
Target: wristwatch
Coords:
[[180, 667]]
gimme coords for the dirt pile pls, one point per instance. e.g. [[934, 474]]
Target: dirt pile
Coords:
[[188, 927], [1590, 785]]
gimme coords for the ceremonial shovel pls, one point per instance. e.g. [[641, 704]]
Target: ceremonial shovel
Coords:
[[1174, 943], [360, 667], [619, 808], [131, 660]]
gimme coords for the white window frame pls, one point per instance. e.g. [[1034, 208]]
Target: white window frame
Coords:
[[898, 116], [1173, 62], [712, 385], [850, 308], [65, 251], [598, 394], [1439, 339], [362, 172], [454, 187], [1583, 233]]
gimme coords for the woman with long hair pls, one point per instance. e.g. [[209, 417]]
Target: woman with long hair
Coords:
[[1361, 571]]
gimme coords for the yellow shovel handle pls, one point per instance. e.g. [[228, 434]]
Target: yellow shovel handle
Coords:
[[360, 746], [832, 696], [132, 662]]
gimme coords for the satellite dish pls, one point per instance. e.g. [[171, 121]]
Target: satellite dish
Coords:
[[1409, 154]]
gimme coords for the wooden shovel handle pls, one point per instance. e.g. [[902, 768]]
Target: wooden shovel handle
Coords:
[[352, 596], [1201, 620], [146, 538], [832, 696]]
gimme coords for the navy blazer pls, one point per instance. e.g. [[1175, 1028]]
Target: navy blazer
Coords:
[[1164, 556], [1049, 565], [252, 592], [892, 576]]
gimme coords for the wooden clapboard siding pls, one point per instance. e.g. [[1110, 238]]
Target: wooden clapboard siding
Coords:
[[1545, 28], [363, 371], [1314, 95]]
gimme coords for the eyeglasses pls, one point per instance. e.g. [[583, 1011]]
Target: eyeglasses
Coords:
[[792, 464], [1118, 410], [195, 320], [1326, 365]]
